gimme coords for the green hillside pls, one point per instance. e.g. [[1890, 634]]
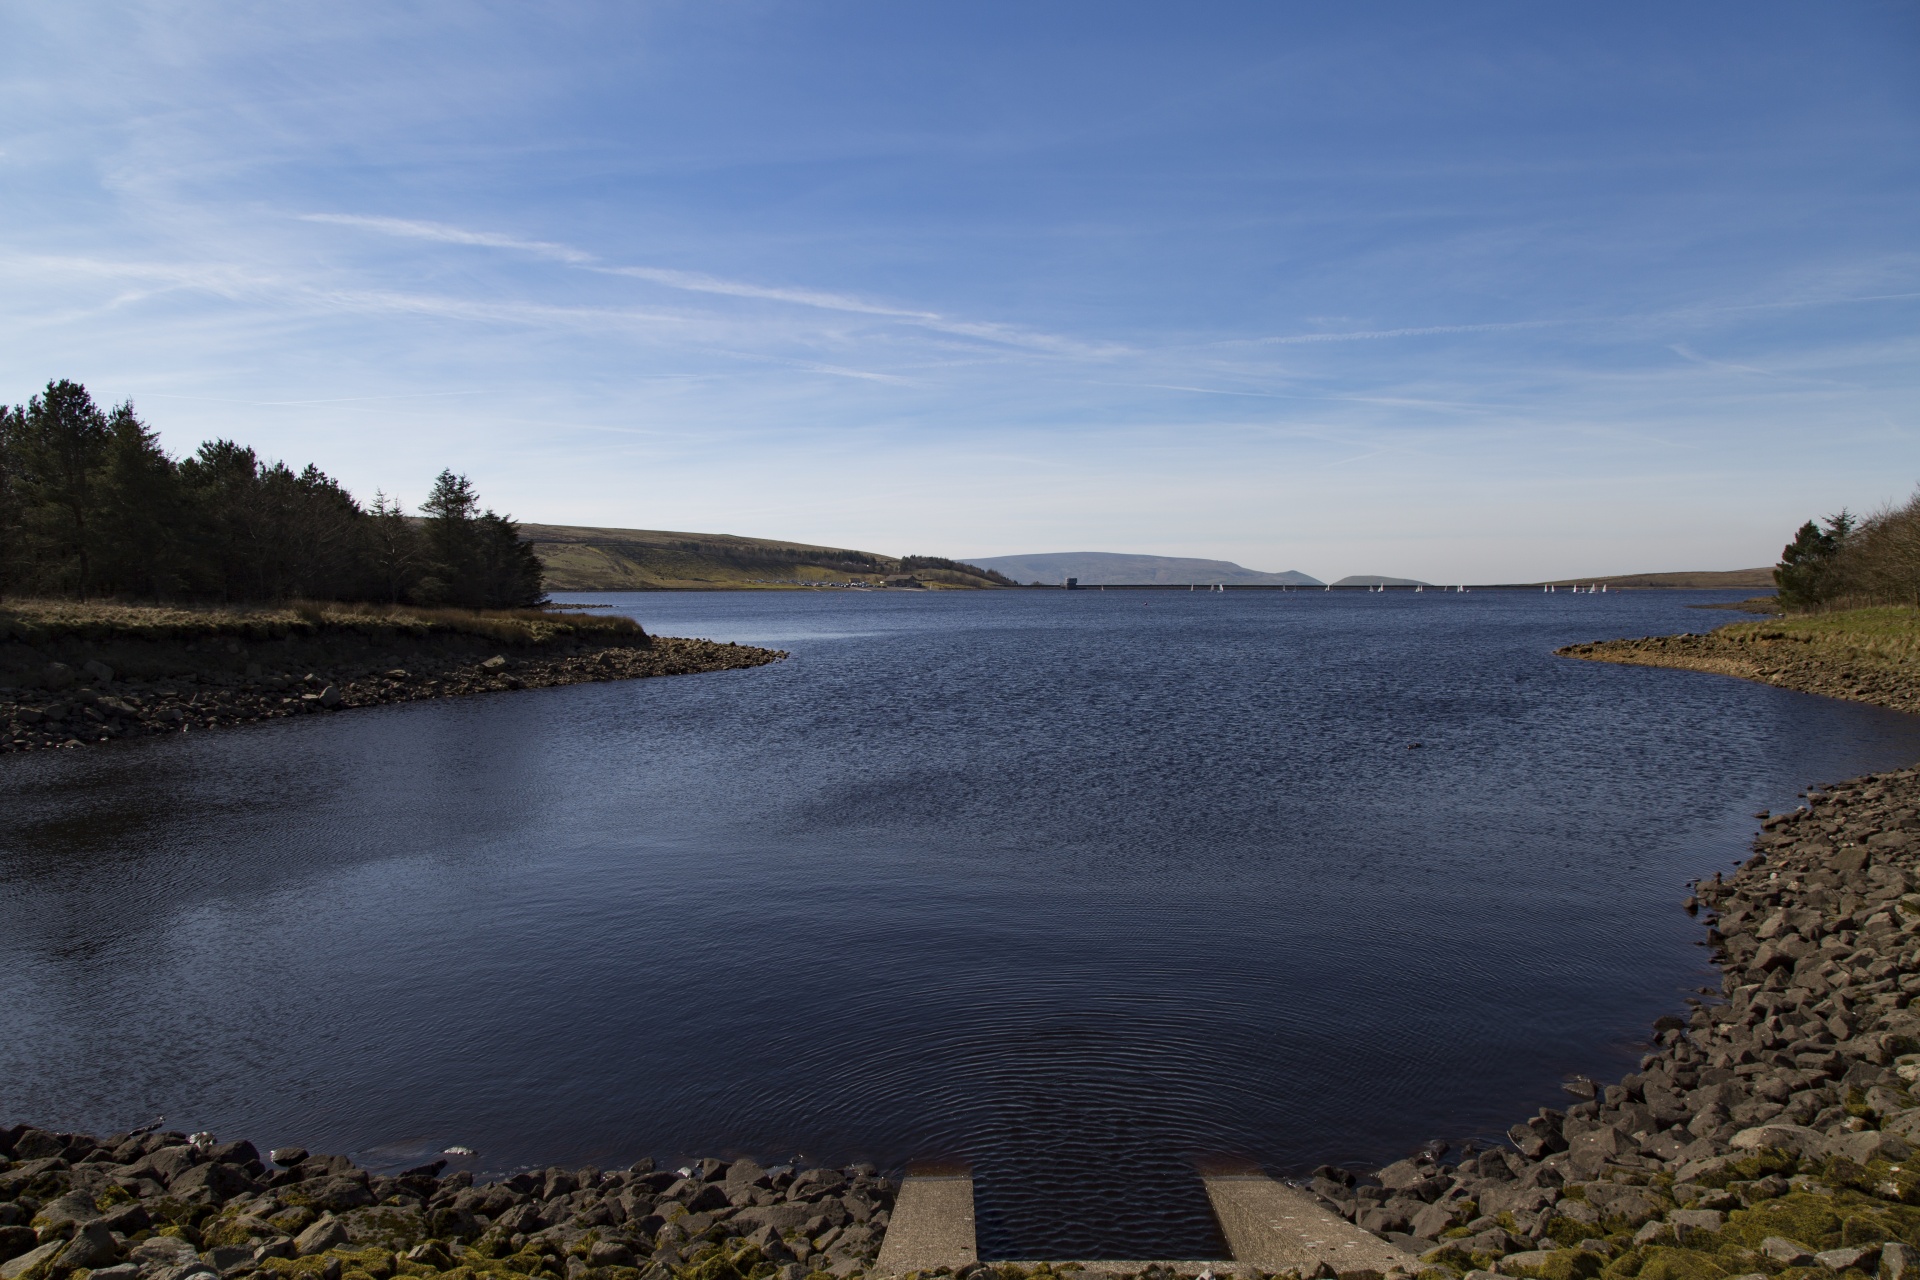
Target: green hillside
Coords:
[[587, 559]]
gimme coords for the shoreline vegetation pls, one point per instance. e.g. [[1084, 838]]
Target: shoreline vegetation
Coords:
[[75, 674], [1862, 655]]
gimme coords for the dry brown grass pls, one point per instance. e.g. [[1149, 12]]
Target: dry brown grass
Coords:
[[28, 619]]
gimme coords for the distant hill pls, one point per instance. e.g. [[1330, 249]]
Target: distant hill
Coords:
[[1375, 580], [578, 558], [1692, 579], [1112, 569]]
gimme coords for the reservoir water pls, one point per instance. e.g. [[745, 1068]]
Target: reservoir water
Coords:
[[1079, 888]]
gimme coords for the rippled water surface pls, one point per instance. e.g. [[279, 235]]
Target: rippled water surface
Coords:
[[1077, 887]]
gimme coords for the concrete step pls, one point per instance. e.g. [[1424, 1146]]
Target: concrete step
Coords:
[[1269, 1226], [931, 1224]]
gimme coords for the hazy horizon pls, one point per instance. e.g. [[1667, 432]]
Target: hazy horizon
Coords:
[[1489, 293]]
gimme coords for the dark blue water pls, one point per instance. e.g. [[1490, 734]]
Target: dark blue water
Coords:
[[1077, 887]]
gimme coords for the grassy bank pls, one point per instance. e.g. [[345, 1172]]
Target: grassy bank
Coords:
[[1866, 655], [41, 620]]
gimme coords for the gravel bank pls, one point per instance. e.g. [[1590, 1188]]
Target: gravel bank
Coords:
[[165, 1206], [234, 682], [1769, 1133]]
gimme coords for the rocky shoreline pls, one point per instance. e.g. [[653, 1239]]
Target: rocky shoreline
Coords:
[[1775, 656], [168, 1206], [75, 705], [1769, 1133]]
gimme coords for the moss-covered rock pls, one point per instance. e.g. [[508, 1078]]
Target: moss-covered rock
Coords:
[[1567, 1264], [1661, 1262], [718, 1262]]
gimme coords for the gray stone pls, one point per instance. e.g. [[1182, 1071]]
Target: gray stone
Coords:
[[1382, 1220], [768, 1241], [1432, 1220], [1862, 1256], [1690, 1224], [328, 1233], [92, 1246], [187, 1270], [1655, 1232], [56, 675], [33, 1263], [1896, 1260], [74, 1207], [815, 1182], [16, 1239], [162, 1251], [231, 1257], [287, 1157], [336, 1194], [1787, 1252], [1867, 1145], [168, 1162], [330, 696], [118, 1271], [611, 1253], [1518, 1264], [126, 1219], [273, 1247], [216, 1182], [1790, 1137], [1632, 1204], [1493, 1240], [98, 670], [1589, 1153]]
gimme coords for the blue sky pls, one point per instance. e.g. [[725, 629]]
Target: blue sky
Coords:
[[1484, 291]]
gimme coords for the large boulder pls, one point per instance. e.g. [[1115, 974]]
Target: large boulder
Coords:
[[1867, 1146], [32, 1264], [216, 1182], [92, 1246], [1796, 1138], [334, 1194]]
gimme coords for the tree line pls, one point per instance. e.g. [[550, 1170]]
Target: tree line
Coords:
[[1846, 561], [91, 506]]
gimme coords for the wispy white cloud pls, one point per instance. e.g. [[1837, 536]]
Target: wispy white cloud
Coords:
[[441, 233], [700, 282], [1367, 335]]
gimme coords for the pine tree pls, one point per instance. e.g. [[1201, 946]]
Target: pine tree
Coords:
[[513, 575], [62, 446], [1806, 575], [12, 554], [143, 542], [394, 552], [454, 543]]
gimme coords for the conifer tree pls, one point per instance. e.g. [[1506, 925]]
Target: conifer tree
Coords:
[[90, 503], [62, 444], [1806, 575], [144, 547]]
